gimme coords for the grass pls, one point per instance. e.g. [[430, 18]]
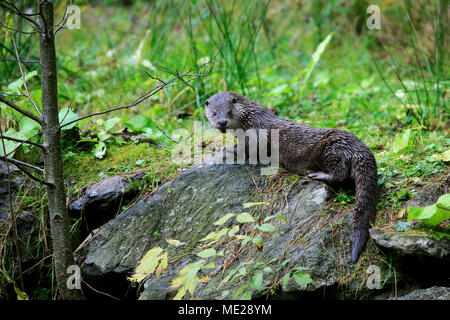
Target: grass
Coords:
[[266, 50]]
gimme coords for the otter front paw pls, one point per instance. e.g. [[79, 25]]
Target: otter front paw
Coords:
[[319, 176]]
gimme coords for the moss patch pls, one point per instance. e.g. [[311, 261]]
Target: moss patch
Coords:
[[84, 168]]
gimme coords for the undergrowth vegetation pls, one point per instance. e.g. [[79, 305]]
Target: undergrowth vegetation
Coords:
[[314, 62]]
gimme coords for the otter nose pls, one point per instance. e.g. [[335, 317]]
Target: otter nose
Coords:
[[223, 123]]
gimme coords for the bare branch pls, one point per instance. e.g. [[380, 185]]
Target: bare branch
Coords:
[[23, 78], [19, 109], [164, 84], [22, 141], [13, 9], [23, 61], [64, 19], [21, 163], [13, 215], [166, 134], [17, 30], [32, 176]]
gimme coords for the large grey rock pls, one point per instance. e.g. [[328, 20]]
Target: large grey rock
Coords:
[[185, 209], [101, 201], [433, 293], [410, 243]]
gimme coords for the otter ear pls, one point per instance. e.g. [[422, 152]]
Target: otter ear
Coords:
[[206, 103]]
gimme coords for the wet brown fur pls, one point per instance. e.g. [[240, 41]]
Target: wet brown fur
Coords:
[[329, 155]]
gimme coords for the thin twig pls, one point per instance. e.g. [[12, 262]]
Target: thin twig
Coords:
[[148, 94], [17, 30], [64, 19], [104, 293], [23, 78], [23, 61], [166, 134], [13, 215], [19, 109], [31, 176], [22, 141], [21, 163], [38, 263], [19, 13]]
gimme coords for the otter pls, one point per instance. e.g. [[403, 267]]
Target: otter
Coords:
[[328, 155]]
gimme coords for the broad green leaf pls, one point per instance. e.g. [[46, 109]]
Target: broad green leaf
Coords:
[[434, 214], [224, 219], [67, 115], [286, 279], [401, 141], [110, 123], [268, 270], [246, 240], [257, 281], [245, 217], [246, 296], [258, 241], [239, 291], [139, 123], [29, 127], [11, 146], [207, 253], [16, 86], [302, 278], [233, 230], [214, 236], [267, 227]]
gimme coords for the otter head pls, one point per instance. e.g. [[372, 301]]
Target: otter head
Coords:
[[224, 110]]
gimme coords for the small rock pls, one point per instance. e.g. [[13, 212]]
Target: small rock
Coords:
[[433, 293], [409, 243]]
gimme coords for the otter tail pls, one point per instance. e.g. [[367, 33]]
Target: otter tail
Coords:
[[364, 171]]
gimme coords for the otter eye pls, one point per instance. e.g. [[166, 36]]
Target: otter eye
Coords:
[[230, 113], [234, 100], [207, 102], [214, 114]]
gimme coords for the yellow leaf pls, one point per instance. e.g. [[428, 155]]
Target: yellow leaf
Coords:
[[445, 156], [147, 264], [173, 242], [401, 213], [163, 264], [204, 279], [176, 283]]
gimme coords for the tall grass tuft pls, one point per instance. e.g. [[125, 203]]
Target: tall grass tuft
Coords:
[[422, 76]]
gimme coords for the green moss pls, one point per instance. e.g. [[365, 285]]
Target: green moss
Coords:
[[435, 233], [84, 168]]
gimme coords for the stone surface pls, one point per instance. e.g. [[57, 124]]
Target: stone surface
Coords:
[[101, 201], [410, 243], [185, 209], [433, 293]]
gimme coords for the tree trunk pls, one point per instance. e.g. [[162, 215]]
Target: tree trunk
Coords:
[[59, 218]]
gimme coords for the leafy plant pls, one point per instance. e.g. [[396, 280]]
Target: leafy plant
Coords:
[[157, 261], [434, 214]]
